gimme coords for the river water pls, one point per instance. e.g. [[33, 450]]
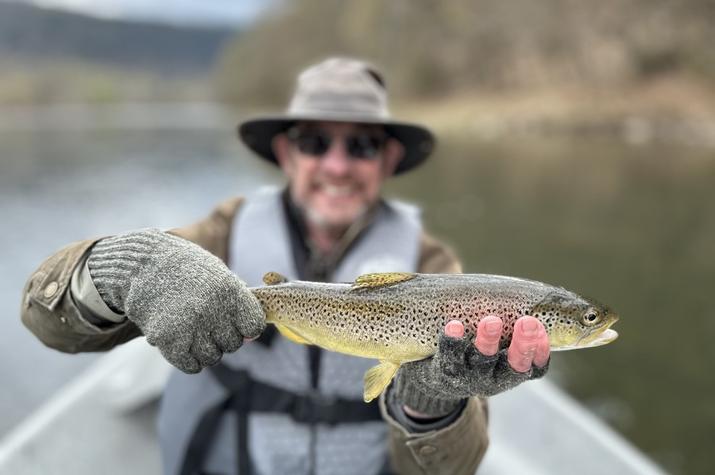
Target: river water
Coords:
[[632, 226]]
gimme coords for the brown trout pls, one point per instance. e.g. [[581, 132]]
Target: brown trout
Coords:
[[398, 317]]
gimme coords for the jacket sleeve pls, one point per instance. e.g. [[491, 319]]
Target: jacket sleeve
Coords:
[[459, 447], [49, 309], [454, 450]]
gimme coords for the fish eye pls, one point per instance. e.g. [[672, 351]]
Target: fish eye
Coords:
[[590, 318]]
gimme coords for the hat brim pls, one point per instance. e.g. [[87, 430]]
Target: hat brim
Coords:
[[257, 134]]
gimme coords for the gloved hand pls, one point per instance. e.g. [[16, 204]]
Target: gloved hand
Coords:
[[463, 368], [184, 299]]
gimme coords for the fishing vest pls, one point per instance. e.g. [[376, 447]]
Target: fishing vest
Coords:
[[279, 442]]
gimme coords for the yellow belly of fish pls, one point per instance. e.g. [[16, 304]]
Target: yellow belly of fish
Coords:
[[398, 352], [391, 356]]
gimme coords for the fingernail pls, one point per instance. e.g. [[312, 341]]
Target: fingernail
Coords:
[[530, 326], [454, 329], [492, 328]]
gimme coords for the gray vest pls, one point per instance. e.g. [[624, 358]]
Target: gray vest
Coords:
[[278, 445]]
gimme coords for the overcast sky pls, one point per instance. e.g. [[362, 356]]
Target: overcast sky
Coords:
[[215, 12]]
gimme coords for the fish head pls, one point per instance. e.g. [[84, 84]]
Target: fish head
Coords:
[[573, 322]]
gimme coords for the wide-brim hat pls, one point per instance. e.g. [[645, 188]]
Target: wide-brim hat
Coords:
[[339, 90]]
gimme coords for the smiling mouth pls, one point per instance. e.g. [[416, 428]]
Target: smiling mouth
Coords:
[[338, 191]]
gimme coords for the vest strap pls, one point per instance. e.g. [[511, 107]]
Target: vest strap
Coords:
[[310, 408], [246, 395], [202, 438]]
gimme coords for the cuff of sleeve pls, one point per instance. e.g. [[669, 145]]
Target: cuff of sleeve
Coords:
[[456, 449], [414, 426], [87, 298], [412, 395]]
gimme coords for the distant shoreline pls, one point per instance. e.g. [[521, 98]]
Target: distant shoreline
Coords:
[[668, 111]]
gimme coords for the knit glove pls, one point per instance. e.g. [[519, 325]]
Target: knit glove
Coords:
[[184, 299], [436, 386]]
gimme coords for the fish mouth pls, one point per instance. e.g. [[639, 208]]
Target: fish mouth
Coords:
[[604, 338], [593, 339]]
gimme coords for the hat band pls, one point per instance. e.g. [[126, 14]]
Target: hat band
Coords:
[[333, 104]]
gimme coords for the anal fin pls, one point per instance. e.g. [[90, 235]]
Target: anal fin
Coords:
[[377, 378]]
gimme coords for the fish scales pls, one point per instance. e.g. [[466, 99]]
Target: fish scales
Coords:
[[412, 311], [398, 317]]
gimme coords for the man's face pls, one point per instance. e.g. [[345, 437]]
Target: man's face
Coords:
[[331, 185]]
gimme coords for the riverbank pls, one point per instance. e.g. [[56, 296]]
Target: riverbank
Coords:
[[670, 110]]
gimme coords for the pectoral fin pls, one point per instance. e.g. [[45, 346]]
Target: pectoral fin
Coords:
[[377, 378], [383, 279], [291, 335]]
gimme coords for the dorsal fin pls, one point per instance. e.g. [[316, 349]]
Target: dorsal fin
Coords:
[[382, 279], [273, 278]]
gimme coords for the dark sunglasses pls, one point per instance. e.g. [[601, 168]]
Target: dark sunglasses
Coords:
[[315, 142]]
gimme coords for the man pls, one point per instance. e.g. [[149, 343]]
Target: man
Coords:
[[275, 406]]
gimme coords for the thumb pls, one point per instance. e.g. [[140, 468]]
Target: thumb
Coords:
[[250, 320]]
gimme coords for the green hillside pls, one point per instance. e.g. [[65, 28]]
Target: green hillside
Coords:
[[55, 56], [433, 49]]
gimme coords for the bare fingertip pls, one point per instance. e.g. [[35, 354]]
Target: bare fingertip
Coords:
[[529, 324], [493, 327], [454, 329]]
